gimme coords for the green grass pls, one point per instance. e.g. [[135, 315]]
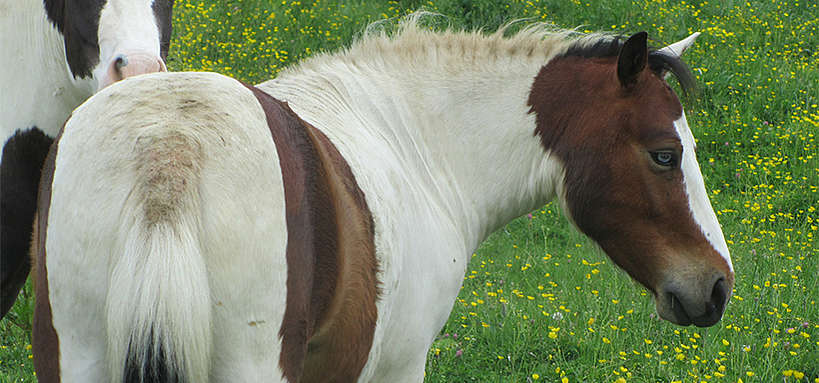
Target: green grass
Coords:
[[539, 302]]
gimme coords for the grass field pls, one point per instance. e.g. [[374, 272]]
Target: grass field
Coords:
[[539, 302]]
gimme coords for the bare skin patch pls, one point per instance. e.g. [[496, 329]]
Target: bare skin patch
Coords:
[[169, 168]]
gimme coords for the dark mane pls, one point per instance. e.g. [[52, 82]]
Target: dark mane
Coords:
[[659, 62], [604, 47]]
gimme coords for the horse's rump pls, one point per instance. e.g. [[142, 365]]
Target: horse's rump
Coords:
[[166, 229]]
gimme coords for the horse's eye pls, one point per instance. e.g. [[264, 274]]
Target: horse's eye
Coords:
[[664, 158]]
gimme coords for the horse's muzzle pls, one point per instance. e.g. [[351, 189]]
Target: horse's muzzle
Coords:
[[701, 303], [128, 64]]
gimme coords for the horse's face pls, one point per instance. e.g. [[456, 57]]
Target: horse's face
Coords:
[[108, 40], [632, 182]]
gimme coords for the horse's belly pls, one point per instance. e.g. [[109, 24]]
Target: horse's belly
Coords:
[[419, 291]]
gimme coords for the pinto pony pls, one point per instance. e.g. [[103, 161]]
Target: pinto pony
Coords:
[[317, 228], [55, 54]]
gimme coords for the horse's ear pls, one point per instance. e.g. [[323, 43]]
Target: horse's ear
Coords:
[[677, 49], [633, 58]]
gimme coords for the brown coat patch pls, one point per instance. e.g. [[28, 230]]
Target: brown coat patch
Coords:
[[45, 343], [332, 287], [603, 132]]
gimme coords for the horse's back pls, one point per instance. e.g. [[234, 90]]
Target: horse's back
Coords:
[[176, 172]]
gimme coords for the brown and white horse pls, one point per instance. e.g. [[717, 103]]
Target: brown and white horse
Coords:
[[55, 54], [196, 229]]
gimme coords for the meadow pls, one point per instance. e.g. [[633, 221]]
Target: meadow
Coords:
[[540, 302]]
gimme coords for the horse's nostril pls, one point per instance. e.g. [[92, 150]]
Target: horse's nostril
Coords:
[[719, 295], [121, 61], [715, 305], [679, 310]]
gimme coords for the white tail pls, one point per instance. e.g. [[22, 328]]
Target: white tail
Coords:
[[158, 304]]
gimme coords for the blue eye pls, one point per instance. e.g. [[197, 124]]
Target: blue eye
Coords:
[[664, 158]]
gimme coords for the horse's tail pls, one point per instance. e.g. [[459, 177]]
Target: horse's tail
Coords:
[[158, 303]]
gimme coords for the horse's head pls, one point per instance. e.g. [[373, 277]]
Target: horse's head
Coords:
[[109, 40], [632, 182]]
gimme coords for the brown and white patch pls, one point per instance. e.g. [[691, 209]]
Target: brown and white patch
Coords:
[[332, 287], [45, 342], [607, 114]]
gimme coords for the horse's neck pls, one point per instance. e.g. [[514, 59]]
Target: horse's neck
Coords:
[[38, 89], [463, 144]]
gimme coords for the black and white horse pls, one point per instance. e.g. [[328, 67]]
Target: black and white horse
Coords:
[[55, 54]]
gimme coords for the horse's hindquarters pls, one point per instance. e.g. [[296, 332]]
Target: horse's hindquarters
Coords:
[[186, 163], [244, 235]]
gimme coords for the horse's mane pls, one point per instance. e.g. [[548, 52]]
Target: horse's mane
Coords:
[[409, 43], [658, 61]]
